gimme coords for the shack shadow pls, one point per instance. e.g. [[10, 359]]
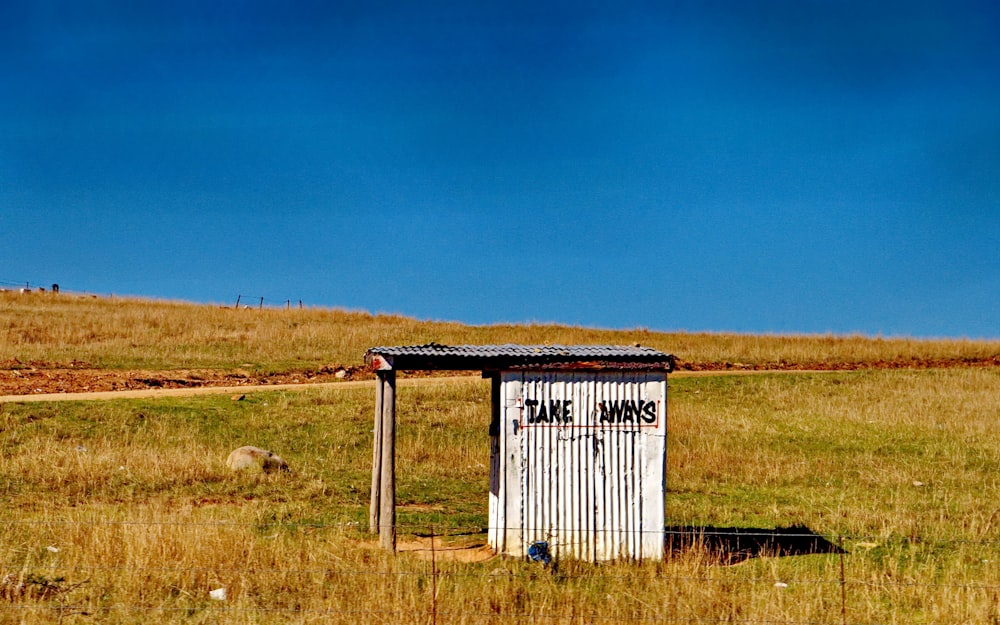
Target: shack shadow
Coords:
[[732, 545]]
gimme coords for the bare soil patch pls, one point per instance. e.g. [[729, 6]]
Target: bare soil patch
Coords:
[[443, 550], [48, 378], [17, 378]]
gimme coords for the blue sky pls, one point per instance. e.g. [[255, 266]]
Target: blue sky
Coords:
[[778, 166]]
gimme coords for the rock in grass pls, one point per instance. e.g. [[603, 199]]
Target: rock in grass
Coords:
[[255, 458]]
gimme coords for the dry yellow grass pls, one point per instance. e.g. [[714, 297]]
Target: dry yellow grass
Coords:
[[123, 512], [147, 334]]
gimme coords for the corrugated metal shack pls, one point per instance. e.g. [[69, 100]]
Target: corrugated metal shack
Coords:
[[578, 444]]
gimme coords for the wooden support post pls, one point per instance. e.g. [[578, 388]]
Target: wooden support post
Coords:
[[387, 488], [494, 534], [375, 507]]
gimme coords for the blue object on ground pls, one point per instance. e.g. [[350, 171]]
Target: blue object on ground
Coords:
[[539, 552]]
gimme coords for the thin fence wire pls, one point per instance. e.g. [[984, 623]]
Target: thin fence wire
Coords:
[[434, 532], [689, 533], [327, 572], [519, 616], [455, 571], [259, 302], [748, 581], [26, 285]]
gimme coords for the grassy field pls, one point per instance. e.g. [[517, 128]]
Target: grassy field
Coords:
[[123, 511], [146, 334]]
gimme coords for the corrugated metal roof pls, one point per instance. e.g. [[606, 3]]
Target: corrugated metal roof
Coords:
[[495, 357]]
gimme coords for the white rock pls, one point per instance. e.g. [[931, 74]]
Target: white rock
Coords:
[[250, 457], [219, 594]]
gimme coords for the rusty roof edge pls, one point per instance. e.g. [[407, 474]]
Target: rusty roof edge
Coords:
[[516, 348], [593, 365], [494, 357]]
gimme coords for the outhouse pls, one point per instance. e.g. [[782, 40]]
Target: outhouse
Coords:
[[578, 445]]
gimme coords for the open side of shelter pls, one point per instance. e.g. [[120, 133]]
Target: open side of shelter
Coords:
[[578, 445]]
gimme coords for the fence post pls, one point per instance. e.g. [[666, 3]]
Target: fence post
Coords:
[[238, 302], [387, 483], [376, 503], [261, 304]]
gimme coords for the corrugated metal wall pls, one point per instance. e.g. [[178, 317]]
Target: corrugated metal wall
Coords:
[[579, 463]]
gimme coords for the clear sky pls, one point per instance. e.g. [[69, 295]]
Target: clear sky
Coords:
[[791, 166]]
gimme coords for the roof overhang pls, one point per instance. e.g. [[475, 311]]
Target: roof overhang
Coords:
[[433, 356]]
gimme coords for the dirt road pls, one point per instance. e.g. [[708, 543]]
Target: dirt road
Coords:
[[148, 393], [40, 381]]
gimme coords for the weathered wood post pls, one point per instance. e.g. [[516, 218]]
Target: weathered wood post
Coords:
[[375, 506], [387, 486]]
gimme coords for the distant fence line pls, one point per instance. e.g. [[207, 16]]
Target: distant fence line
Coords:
[[243, 302], [259, 302], [25, 286]]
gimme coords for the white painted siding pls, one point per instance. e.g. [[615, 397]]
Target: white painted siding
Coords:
[[580, 464]]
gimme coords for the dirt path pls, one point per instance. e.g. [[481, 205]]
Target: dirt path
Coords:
[[148, 393], [76, 381]]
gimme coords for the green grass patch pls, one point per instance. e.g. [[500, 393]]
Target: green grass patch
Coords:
[[126, 509]]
